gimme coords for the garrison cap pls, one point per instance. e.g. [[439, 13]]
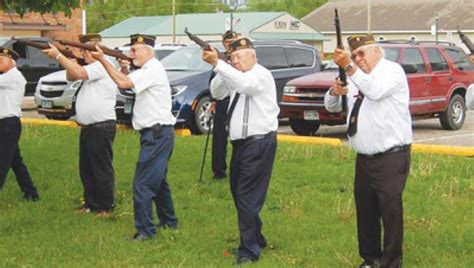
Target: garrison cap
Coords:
[[356, 41], [92, 37], [7, 52], [229, 35], [143, 39], [241, 43]]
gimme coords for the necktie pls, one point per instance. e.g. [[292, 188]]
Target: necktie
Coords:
[[352, 128], [231, 109]]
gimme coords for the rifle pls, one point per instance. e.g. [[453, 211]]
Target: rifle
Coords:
[[66, 52], [90, 47], [342, 73], [205, 45], [466, 41]]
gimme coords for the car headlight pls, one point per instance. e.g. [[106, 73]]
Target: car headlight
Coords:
[[289, 89], [75, 85], [176, 90]]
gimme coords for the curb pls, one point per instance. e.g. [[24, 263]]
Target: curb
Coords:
[[184, 132]]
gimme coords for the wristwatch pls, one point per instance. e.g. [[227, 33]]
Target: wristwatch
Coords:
[[348, 67]]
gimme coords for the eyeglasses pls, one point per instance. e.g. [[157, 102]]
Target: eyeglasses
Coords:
[[361, 54]]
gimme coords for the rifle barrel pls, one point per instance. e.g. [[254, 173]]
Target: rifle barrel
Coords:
[[342, 73], [90, 47]]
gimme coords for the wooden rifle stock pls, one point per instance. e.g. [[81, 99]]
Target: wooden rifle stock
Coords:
[[466, 41], [205, 45], [90, 47], [66, 52], [342, 73]]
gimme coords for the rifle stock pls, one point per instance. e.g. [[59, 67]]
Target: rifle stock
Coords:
[[342, 73], [205, 45], [466, 41], [66, 52], [90, 47]]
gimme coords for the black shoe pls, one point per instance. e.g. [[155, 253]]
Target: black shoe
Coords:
[[140, 238], [366, 264], [31, 197], [218, 178], [263, 244], [244, 260]]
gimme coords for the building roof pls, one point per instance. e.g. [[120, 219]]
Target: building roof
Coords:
[[394, 15], [203, 24]]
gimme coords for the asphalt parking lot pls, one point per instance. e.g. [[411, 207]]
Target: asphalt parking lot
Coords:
[[424, 131]]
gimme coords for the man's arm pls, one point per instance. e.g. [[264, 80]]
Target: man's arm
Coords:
[[122, 80], [74, 71]]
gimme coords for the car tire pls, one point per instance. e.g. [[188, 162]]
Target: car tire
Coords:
[[455, 114], [202, 115], [58, 117], [304, 127]]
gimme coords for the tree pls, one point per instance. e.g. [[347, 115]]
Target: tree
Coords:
[[44, 6]]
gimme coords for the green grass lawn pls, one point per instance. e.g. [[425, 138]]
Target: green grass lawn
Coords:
[[309, 216]]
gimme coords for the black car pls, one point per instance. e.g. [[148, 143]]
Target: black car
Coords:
[[190, 77], [32, 63]]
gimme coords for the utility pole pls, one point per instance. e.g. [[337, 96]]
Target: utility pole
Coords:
[[174, 21], [436, 28], [368, 16]]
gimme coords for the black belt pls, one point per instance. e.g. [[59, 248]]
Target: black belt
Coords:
[[254, 137], [143, 130], [401, 148], [99, 124], [9, 118]]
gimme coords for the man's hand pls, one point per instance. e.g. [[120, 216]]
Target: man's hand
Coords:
[[342, 57], [52, 51], [212, 109], [210, 56], [337, 89], [98, 55]]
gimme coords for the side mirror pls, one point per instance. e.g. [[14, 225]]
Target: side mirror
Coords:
[[410, 68]]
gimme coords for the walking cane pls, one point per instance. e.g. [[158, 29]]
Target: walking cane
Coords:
[[211, 117]]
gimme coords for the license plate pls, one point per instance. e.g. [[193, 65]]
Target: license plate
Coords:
[[127, 107], [311, 115], [47, 104]]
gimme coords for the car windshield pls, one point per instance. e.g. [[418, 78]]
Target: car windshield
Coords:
[[186, 59], [3, 41]]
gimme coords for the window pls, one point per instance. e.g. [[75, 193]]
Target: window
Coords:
[[299, 57], [438, 63], [392, 53], [272, 57], [459, 59], [413, 57]]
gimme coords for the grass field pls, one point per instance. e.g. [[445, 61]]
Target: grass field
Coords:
[[309, 216]]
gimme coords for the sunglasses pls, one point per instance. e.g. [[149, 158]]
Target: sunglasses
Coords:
[[361, 54]]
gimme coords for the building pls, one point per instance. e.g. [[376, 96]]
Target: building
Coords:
[[37, 25], [210, 26], [395, 19]]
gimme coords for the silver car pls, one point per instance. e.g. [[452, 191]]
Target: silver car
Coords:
[[54, 95]]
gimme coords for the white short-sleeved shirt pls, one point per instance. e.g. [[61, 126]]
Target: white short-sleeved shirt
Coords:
[[153, 96], [384, 119], [256, 111], [12, 89], [96, 99]]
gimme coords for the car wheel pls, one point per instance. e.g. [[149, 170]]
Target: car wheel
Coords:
[[304, 127], [202, 114], [455, 114], [58, 117]]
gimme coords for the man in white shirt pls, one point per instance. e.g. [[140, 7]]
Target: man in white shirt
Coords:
[[379, 129], [253, 122], [95, 112], [152, 117], [12, 89]]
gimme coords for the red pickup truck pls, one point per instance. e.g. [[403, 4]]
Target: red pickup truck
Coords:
[[438, 76]]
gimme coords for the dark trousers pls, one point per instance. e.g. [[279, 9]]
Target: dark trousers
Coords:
[[379, 184], [150, 184], [250, 172], [96, 167], [10, 156], [219, 139]]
